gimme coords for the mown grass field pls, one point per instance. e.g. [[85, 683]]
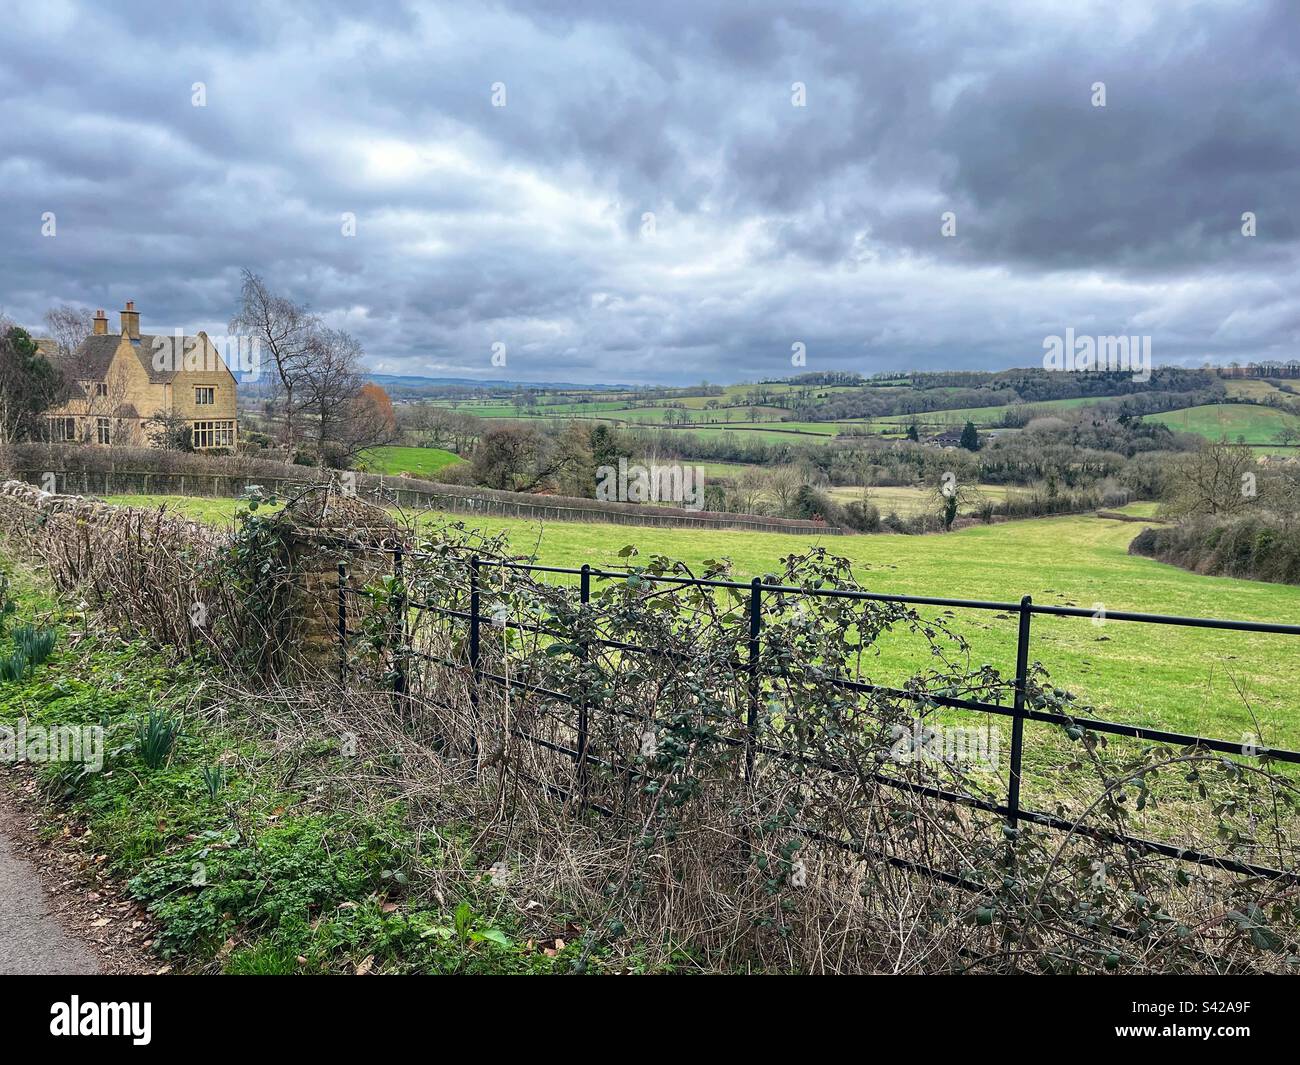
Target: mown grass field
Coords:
[[417, 461], [1214, 683], [1233, 422]]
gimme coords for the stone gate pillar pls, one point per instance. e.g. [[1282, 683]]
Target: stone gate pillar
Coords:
[[321, 529]]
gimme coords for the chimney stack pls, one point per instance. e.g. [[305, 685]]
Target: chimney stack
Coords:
[[131, 321], [101, 323]]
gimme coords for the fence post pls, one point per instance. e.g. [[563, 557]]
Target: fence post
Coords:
[[585, 597], [473, 650], [399, 653], [751, 717], [343, 622], [1018, 711]]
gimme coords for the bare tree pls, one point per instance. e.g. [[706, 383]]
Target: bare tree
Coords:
[[68, 326], [1220, 478], [465, 430], [285, 330], [424, 422], [783, 483], [519, 458], [951, 496], [330, 381], [751, 486], [366, 420], [1287, 436]]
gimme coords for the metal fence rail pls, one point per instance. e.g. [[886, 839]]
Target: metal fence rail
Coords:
[[751, 666]]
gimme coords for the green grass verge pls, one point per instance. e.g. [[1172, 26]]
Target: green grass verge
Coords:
[[243, 849]]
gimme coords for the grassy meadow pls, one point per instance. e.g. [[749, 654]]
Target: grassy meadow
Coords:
[[1234, 422], [907, 500], [417, 461], [958, 417], [1214, 683]]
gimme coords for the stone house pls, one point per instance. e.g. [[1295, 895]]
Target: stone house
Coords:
[[114, 383]]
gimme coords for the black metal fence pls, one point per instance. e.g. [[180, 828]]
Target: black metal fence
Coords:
[[751, 667]]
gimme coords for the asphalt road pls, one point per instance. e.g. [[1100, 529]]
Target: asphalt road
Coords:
[[32, 940]]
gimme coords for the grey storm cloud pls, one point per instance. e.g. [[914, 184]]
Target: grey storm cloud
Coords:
[[649, 205]]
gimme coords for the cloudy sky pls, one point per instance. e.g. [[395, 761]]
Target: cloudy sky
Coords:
[[672, 190]]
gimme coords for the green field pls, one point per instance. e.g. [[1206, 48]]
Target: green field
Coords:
[[417, 461], [733, 418], [1230, 421], [728, 470], [986, 415], [906, 501], [1179, 678], [723, 416], [773, 432], [1252, 388], [767, 432]]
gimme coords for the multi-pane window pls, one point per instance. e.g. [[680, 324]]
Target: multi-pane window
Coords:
[[205, 395], [213, 434], [103, 431], [63, 429]]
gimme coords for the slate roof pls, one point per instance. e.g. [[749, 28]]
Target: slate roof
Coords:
[[95, 354]]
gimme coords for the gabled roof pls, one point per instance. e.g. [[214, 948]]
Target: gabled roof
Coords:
[[94, 356], [91, 360]]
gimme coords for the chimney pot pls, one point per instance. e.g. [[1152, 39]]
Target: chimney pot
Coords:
[[101, 322]]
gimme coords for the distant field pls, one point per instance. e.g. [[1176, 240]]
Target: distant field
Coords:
[[730, 470], [657, 415], [735, 420], [418, 461], [1230, 421], [1252, 388], [986, 415], [907, 501], [1179, 678], [500, 408], [766, 432]]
